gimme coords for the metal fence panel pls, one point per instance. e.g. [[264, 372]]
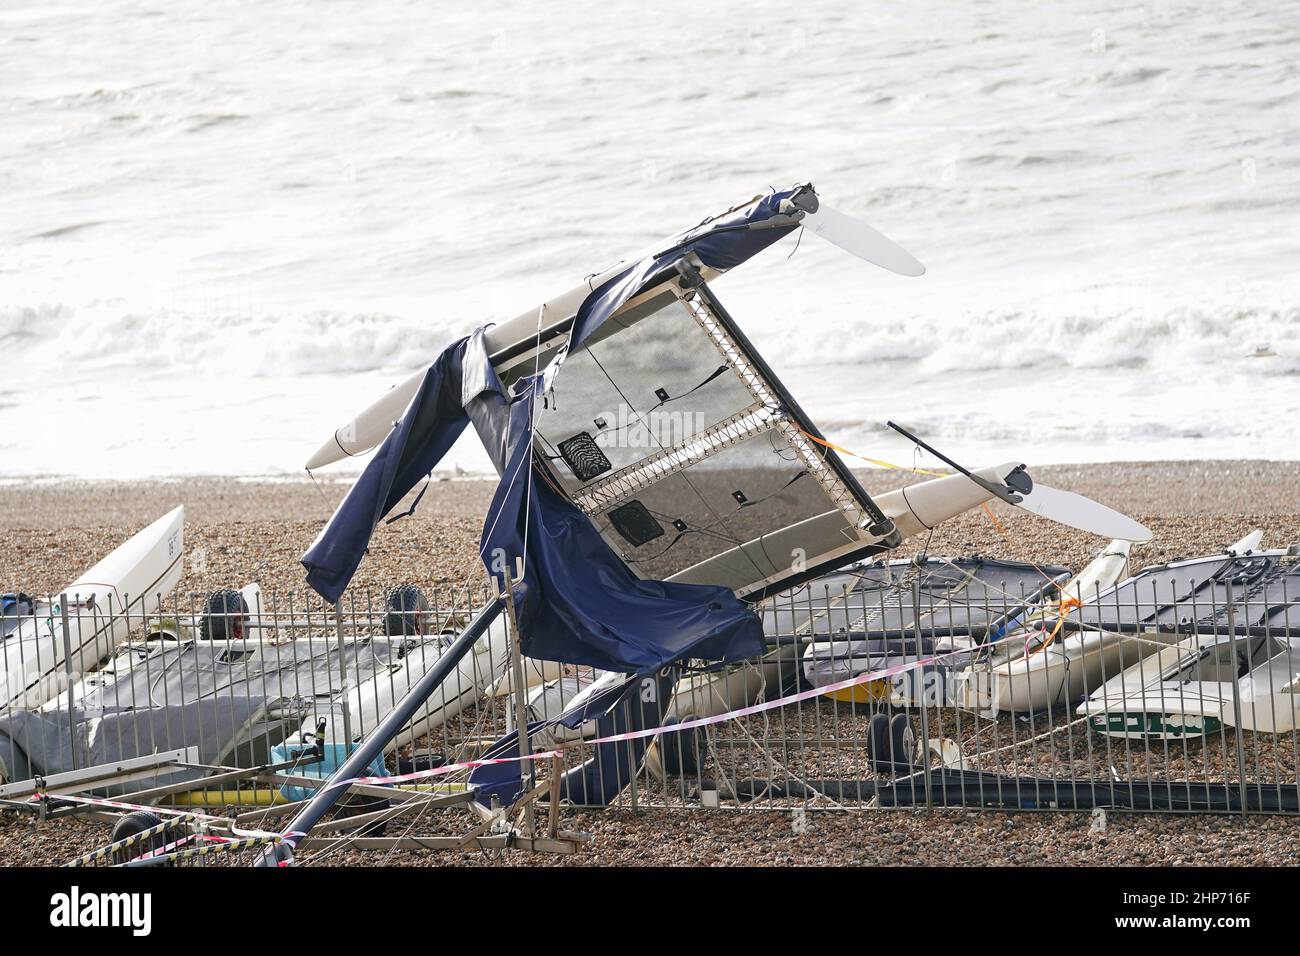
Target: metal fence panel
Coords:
[[1171, 696]]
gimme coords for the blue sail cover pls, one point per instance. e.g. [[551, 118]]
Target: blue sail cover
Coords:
[[437, 414], [638, 704], [431, 425], [722, 243], [579, 603]]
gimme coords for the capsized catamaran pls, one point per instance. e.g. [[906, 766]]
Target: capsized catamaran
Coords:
[[654, 490]]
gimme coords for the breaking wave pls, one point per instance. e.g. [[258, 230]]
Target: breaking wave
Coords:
[[114, 335], [1186, 339], [1264, 339]]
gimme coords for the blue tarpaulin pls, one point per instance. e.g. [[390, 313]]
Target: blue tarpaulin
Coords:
[[579, 602], [431, 425], [636, 705]]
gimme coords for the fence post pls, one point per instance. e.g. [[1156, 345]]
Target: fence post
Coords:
[[67, 671], [527, 771], [343, 677], [1236, 703], [920, 682]]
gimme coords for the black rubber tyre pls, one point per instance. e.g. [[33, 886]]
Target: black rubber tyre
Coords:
[[878, 744], [225, 616], [129, 826], [681, 751], [355, 806], [420, 762]]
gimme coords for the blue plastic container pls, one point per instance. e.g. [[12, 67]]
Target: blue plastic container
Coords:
[[335, 754]]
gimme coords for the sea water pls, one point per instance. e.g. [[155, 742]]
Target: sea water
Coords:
[[226, 226]]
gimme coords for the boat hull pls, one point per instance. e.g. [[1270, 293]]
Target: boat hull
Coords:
[[103, 605]]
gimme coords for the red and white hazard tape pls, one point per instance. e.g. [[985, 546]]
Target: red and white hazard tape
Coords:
[[293, 836], [752, 709], [169, 811]]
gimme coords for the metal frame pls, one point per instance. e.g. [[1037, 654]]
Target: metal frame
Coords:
[[812, 753]]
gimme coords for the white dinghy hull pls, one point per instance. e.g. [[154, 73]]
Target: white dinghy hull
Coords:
[[1187, 691], [1022, 679], [104, 603]]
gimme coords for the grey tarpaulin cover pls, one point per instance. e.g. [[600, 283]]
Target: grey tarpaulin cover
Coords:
[[1257, 591], [42, 744], [295, 678], [871, 616]]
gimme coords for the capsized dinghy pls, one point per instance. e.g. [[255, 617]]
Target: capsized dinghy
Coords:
[[103, 605], [304, 680], [1239, 664]]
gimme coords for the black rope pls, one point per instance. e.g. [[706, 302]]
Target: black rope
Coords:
[[712, 375], [797, 239], [414, 504]]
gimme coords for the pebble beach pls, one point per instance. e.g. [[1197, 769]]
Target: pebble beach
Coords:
[[239, 531]]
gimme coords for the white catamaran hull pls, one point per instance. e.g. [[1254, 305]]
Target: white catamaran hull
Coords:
[[370, 702], [40, 660], [1187, 690], [1052, 678]]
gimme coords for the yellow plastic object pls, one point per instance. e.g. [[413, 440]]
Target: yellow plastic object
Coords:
[[872, 692], [269, 796]]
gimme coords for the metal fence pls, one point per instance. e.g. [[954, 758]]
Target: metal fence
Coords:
[[1177, 698]]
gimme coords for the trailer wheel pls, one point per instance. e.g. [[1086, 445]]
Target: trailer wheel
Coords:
[[878, 744], [680, 750], [903, 742], [129, 826]]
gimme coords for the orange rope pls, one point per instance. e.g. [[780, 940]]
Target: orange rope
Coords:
[[1001, 530], [1063, 609]]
